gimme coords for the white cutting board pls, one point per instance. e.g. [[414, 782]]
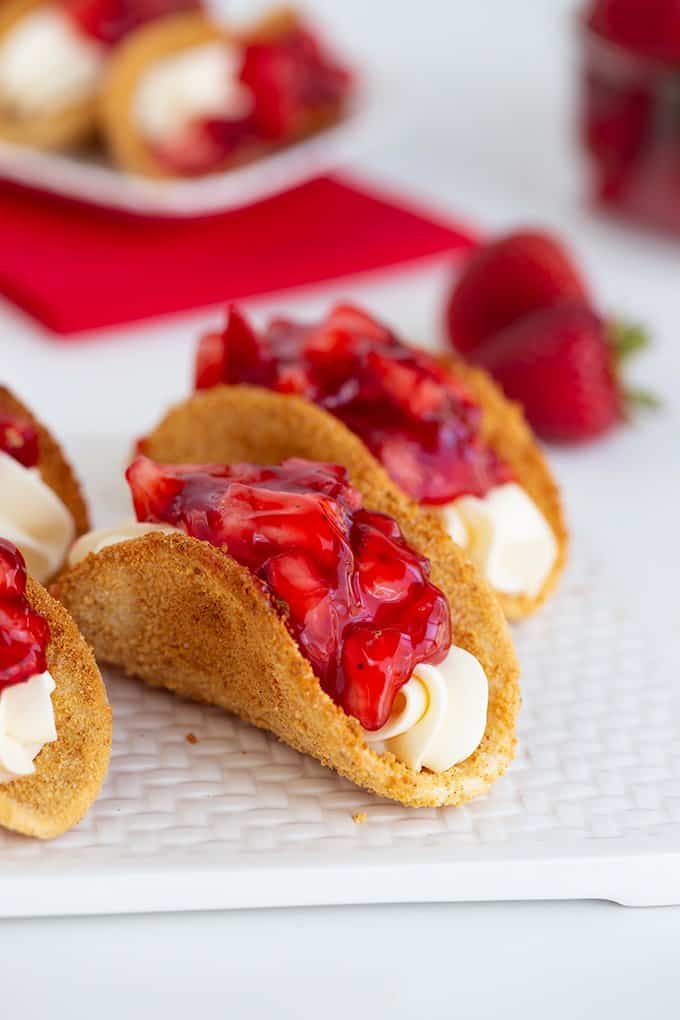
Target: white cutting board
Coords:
[[590, 807]]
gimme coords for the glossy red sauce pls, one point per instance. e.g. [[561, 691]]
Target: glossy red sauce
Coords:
[[289, 79], [24, 634], [356, 598], [19, 439], [413, 414]]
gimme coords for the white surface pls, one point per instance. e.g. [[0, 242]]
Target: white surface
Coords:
[[491, 142], [89, 180], [478, 962]]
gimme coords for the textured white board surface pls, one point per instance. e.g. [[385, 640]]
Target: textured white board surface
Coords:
[[590, 808]]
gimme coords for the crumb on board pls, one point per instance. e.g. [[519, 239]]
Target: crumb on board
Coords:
[[359, 817], [191, 738]]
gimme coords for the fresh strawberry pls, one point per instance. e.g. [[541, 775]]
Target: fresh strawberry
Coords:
[[648, 27], [507, 279], [561, 364]]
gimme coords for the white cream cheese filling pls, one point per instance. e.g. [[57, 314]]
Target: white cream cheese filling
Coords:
[[26, 724], [506, 536], [46, 65], [194, 84], [34, 518], [439, 716]]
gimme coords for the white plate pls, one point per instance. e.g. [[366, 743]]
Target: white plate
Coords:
[[87, 180], [590, 807]]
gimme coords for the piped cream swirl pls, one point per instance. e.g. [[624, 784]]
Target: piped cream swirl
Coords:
[[439, 716], [506, 536]]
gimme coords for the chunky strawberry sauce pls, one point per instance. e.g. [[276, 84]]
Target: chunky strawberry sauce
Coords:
[[19, 439], [411, 412], [357, 598], [109, 21], [24, 634], [291, 79]]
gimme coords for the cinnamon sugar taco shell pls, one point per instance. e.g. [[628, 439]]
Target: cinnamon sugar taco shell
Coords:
[[70, 771], [177, 612], [169, 37], [54, 468], [57, 129], [228, 424]]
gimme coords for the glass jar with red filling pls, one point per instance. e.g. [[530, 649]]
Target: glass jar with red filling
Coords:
[[630, 107]]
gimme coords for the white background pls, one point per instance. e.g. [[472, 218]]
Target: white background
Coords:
[[481, 128]]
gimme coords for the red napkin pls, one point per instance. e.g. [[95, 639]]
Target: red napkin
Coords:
[[76, 268]]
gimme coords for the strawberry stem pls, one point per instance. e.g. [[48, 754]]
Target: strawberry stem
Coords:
[[626, 339], [641, 398]]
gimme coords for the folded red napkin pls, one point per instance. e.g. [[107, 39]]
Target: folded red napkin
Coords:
[[76, 268]]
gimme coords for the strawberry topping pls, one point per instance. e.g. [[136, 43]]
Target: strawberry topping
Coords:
[[24, 634], [291, 80], [204, 145], [109, 21], [19, 439], [412, 413], [356, 597], [291, 77]]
